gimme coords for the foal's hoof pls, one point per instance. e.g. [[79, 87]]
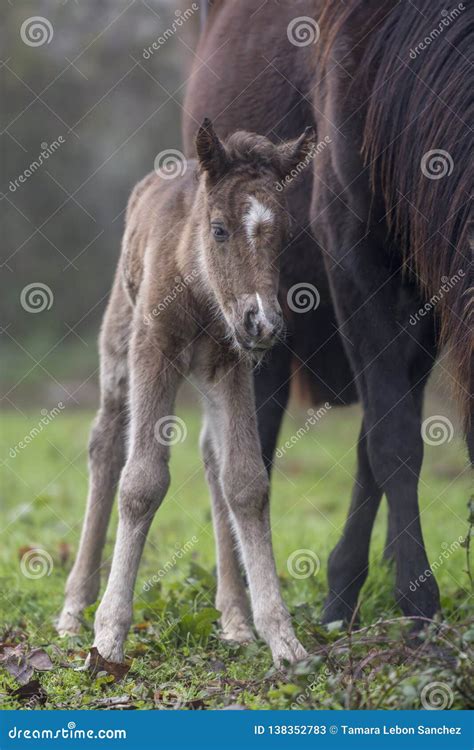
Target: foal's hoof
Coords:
[[109, 644], [237, 631], [288, 651], [68, 623]]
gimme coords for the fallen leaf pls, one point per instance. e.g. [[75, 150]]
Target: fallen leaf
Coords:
[[18, 667], [97, 664], [32, 692], [40, 660]]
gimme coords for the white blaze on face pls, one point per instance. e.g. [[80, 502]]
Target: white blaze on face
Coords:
[[257, 213], [261, 310]]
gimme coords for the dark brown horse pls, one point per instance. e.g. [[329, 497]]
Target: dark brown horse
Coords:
[[388, 203]]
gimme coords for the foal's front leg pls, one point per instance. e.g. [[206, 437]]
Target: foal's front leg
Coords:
[[245, 485], [143, 485]]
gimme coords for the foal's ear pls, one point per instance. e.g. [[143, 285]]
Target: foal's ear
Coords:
[[210, 150], [293, 153]]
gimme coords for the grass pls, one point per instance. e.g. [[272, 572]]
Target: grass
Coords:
[[176, 656]]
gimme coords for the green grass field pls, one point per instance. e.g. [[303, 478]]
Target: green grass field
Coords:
[[175, 654]]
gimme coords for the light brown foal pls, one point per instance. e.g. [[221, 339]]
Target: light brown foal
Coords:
[[195, 296]]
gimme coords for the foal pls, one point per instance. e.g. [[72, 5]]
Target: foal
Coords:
[[217, 231]]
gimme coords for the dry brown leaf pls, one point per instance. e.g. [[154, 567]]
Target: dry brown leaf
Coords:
[[97, 663]]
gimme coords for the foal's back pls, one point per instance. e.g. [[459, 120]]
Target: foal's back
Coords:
[[156, 216]]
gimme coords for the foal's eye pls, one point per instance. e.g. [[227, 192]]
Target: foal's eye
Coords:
[[219, 233]]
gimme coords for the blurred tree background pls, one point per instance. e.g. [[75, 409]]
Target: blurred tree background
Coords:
[[77, 82]]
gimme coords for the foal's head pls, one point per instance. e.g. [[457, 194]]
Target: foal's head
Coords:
[[244, 228]]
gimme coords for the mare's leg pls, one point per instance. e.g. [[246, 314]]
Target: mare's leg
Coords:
[[421, 354], [367, 294], [144, 482], [245, 486], [231, 597], [106, 459], [272, 390], [349, 561]]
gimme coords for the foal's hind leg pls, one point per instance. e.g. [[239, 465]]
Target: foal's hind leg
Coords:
[[231, 597], [106, 458]]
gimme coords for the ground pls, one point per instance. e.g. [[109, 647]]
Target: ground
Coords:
[[176, 657]]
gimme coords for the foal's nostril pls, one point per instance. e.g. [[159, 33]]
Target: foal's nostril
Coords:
[[250, 322]]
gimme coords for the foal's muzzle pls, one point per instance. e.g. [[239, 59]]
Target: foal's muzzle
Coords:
[[260, 325]]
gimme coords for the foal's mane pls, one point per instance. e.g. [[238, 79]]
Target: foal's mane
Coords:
[[420, 101]]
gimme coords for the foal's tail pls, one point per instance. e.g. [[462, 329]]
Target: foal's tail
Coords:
[[418, 145]]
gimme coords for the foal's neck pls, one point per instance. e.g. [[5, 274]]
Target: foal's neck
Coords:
[[189, 252]]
